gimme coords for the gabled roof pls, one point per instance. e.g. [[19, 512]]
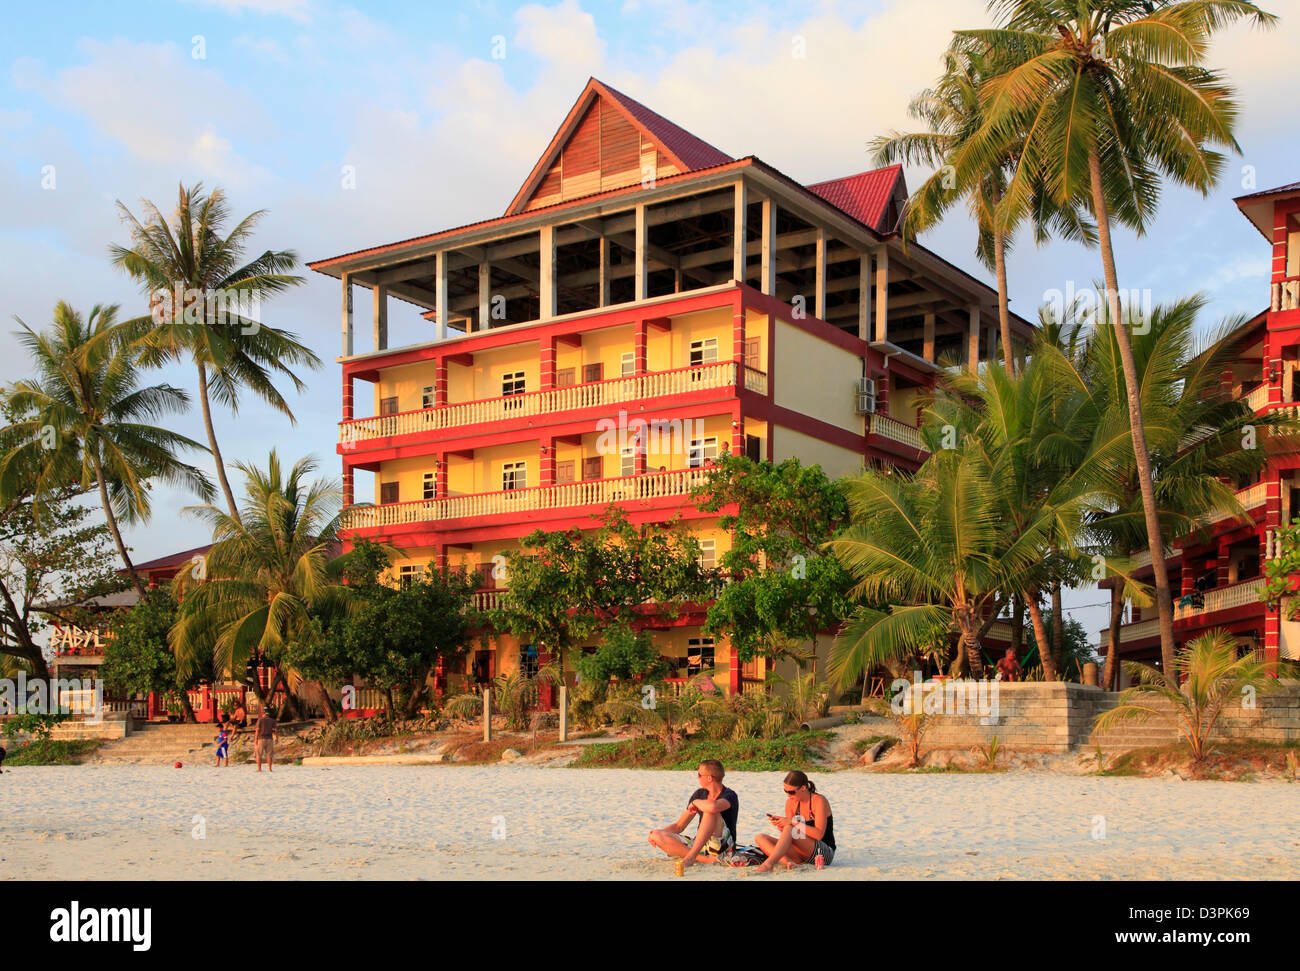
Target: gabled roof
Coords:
[[867, 195], [681, 149], [1258, 206]]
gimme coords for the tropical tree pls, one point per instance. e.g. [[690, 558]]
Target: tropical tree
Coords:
[[87, 397], [265, 572], [1207, 677], [953, 112], [203, 305], [1108, 96], [137, 659]]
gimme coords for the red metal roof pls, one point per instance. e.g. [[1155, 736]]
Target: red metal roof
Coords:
[[864, 196], [1293, 187], [694, 153]]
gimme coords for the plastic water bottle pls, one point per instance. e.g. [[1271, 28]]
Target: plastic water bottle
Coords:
[[820, 862]]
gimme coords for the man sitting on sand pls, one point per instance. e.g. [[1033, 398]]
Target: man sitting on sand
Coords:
[[717, 807], [264, 742]]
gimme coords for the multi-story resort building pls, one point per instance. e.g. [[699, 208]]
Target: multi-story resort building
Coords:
[[1216, 580], [639, 275]]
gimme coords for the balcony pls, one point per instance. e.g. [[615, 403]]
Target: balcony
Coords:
[[1285, 294], [1258, 398], [516, 502], [896, 431], [597, 394], [1250, 498], [1223, 598]]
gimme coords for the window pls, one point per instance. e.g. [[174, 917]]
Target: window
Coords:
[[411, 573], [427, 398], [699, 655], [388, 406], [388, 493], [513, 383], [627, 461], [528, 660], [704, 352], [703, 451], [566, 377], [564, 472], [753, 448], [708, 554], [430, 485], [753, 354], [514, 475], [627, 365], [593, 372], [593, 469]]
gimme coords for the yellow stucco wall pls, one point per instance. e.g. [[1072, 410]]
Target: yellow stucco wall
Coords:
[[834, 460], [816, 378]]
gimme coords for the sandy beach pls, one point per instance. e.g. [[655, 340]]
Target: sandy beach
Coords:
[[526, 822]]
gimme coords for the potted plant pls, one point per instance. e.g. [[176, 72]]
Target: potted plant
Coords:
[[174, 709]]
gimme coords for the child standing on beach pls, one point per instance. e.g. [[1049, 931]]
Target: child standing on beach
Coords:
[[223, 744]]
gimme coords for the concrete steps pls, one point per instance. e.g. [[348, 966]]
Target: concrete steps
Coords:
[[160, 744]]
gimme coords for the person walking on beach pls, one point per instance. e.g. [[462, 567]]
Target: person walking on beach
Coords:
[[264, 741], [717, 808], [2, 759], [807, 829]]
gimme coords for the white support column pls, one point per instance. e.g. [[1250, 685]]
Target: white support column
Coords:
[[882, 294], [864, 297], [767, 281], [604, 271], [973, 339], [819, 286], [739, 252], [546, 258], [381, 317], [440, 301], [484, 296], [642, 258], [347, 315]]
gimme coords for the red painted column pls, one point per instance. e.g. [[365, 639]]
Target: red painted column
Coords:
[[347, 397], [440, 475], [440, 383], [546, 363], [1272, 522], [1221, 578], [349, 491], [639, 347], [738, 340], [440, 555], [733, 675], [882, 394], [737, 430], [546, 449], [349, 485]]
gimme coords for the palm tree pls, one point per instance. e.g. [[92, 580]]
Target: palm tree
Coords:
[[1207, 676], [1194, 430], [87, 390], [952, 112], [1109, 95], [230, 350], [268, 567]]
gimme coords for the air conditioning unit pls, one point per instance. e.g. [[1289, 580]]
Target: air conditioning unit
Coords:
[[866, 396]]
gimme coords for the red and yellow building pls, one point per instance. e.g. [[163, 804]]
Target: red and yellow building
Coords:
[[1216, 582], [645, 303]]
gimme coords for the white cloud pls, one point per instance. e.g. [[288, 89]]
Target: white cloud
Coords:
[[299, 10]]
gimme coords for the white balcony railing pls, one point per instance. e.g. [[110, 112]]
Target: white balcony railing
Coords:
[[1286, 294], [1250, 498], [597, 394], [1258, 398], [1224, 598], [595, 492], [1133, 632], [896, 431]]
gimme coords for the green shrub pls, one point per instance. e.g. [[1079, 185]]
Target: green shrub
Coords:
[[38, 726], [45, 751]]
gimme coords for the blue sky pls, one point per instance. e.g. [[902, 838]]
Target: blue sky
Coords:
[[442, 108]]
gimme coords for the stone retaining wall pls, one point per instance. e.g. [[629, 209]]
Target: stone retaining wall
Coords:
[[1058, 717]]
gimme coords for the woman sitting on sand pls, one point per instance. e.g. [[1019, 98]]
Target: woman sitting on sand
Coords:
[[807, 829]]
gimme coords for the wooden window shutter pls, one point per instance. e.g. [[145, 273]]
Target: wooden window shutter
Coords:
[[593, 372], [388, 493], [388, 406], [593, 468], [566, 377], [564, 472], [753, 356]]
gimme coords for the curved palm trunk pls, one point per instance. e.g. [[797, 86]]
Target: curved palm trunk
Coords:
[[187, 710], [212, 443], [1040, 635], [1164, 604], [1058, 627], [112, 528], [1004, 311], [1017, 624], [1112, 652]]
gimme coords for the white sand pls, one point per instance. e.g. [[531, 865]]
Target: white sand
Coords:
[[436, 822]]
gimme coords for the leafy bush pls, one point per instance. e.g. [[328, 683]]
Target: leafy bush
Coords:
[[623, 654], [38, 726], [795, 751], [45, 751]]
